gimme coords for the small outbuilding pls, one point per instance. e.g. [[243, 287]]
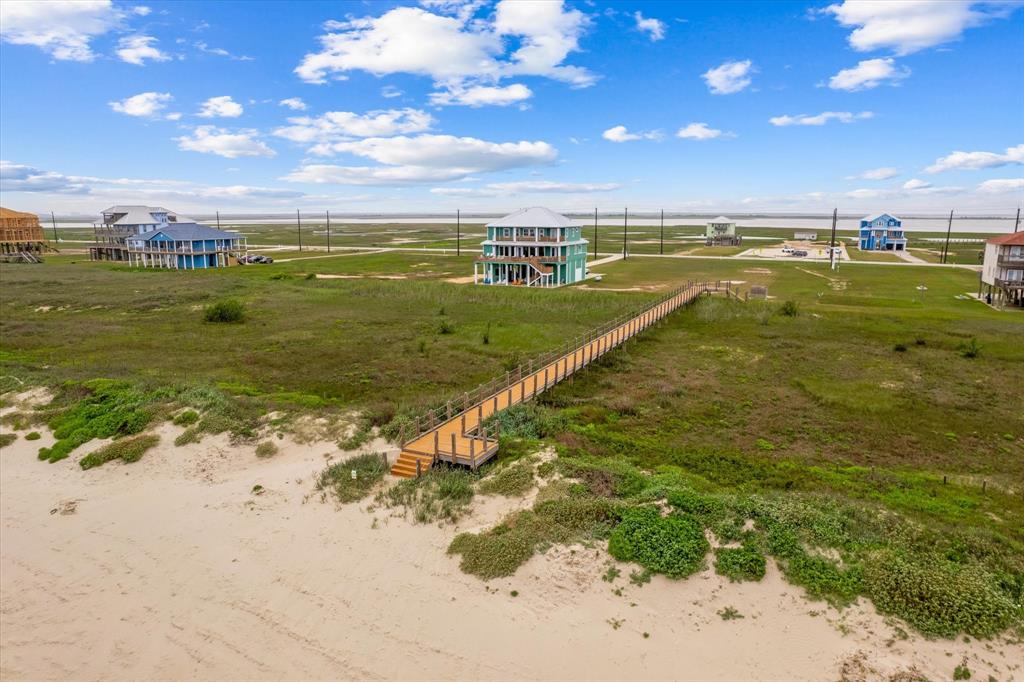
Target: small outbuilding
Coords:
[[805, 236], [721, 231]]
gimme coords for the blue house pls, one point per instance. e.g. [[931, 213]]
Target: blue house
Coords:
[[185, 246], [533, 247], [882, 233]]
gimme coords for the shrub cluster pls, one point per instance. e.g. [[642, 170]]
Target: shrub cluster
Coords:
[[740, 563], [511, 480], [441, 494], [673, 545], [127, 450], [337, 478], [229, 311]]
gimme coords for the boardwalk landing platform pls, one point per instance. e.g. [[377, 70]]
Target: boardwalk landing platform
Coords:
[[456, 433]]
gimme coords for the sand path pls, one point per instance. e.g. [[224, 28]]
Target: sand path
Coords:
[[171, 568]]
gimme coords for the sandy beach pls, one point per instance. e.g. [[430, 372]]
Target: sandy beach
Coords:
[[172, 568]]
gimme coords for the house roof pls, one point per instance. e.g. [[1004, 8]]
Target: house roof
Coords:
[[142, 215], [872, 218], [186, 232], [1013, 239], [721, 219], [536, 216]]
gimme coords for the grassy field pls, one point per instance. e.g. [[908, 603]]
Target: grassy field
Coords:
[[873, 434]]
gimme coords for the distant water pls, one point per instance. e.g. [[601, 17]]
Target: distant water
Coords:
[[911, 223]]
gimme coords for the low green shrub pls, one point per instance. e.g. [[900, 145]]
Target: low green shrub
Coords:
[[186, 418], [127, 450], [498, 552], [528, 420], [33, 435], [229, 311], [740, 563], [266, 449], [7, 438], [104, 409], [790, 309], [938, 596], [511, 480], [441, 494], [338, 480], [672, 545], [971, 349]]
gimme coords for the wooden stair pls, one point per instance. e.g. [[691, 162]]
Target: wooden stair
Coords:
[[459, 437]]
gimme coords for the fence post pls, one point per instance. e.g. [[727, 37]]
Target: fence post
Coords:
[[449, 406], [437, 443], [384, 458], [419, 467], [480, 413], [472, 449], [453, 448], [463, 424]]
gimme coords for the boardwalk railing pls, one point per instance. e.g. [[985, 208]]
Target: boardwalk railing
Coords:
[[531, 378]]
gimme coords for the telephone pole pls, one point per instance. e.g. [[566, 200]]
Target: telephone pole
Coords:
[[595, 230], [625, 231], [458, 232], [328, 232], [949, 228], [661, 249], [298, 222], [218, 220], [1016, 225], [53, 221], [832, 244]]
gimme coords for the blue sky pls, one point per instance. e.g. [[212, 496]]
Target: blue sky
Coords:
[[406, 106]]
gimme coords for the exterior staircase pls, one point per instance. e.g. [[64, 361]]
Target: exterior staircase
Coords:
[[455, 433]]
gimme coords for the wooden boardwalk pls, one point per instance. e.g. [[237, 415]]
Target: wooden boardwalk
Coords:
[[455, 432]]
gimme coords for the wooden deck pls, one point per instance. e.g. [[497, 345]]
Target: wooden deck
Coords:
[[455, 433]]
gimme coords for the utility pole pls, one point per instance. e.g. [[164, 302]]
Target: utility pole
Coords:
[[949, 228], [298, 221], [53, 221], [661, 249], [458, 232], [832, 244], [218, 220], [328, 232], [595, 231], [1016, 225], [625, 231]]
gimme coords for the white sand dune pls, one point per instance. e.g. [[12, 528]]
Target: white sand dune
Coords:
[[171, 568]]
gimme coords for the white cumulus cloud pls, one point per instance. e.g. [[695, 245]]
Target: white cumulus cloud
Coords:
[[137, 49], [907, 26], [61, 28], [883, 173], [482, 95], [293, 103], [869, 73], [622, 134], [819, 119], [700, 131], [334, 127], [221, 107], [728, 78], [1002, 186], [978, 160], [144, 104], [654, 28], [142, 10], [425, 158], [230, 145], [454, 49]]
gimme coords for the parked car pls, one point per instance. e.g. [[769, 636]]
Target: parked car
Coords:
[[799, 253], [787, 250]]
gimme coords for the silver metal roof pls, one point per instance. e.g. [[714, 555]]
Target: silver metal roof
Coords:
[[536, 216], [872, 218], [143, 215], [721, 219]]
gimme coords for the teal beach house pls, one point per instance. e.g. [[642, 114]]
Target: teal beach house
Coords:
[[533, 247]]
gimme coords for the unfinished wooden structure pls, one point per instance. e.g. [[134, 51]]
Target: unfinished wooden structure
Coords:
[[456, 433], [21, 236]]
